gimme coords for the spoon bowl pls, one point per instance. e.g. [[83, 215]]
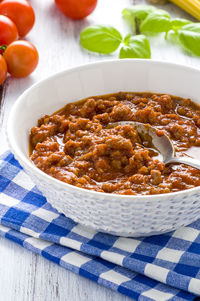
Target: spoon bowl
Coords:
[[162, 143]]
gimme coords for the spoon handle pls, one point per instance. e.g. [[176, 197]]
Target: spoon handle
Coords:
[[188, 161]]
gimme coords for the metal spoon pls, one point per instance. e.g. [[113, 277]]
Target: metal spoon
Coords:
[[162, 144]]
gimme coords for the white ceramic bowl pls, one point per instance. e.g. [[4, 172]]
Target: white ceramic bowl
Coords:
[[116, 214]]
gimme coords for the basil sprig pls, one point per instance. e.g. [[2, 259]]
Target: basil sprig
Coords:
[[144, 17], [105, 39], [143, 20], [150, 20], [135, 47]]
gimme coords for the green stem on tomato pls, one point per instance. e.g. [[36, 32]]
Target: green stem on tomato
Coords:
[[3, 49]]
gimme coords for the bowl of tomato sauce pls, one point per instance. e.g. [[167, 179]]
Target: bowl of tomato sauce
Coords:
[[112, 179]]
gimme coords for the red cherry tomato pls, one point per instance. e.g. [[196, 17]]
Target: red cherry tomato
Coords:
[[21, 58], [20, 12], [3, 69], [76, 9], [8, 31]]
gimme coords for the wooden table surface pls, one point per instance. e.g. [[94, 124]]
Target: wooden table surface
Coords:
[[25, 276]]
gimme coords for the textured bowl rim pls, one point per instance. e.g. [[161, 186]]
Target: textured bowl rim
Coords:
[[19, 154]]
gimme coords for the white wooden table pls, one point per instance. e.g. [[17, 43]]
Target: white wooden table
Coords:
[[25, 276]]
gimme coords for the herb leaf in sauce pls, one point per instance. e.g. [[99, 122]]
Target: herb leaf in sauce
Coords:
[[103, 39], [135, 47]]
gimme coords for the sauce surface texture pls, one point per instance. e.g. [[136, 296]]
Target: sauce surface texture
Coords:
[[75, 146]]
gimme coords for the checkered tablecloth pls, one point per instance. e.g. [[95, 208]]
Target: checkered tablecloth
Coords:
[[163, 267]]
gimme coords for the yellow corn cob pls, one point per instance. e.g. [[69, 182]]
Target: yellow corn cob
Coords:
[[191, 6]]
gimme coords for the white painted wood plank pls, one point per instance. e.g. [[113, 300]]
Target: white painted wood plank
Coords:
[[25, 276], [28, 277]]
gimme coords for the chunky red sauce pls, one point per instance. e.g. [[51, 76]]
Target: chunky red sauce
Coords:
[[75, 146]]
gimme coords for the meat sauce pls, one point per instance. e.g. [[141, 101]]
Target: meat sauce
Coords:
[[74, 145]]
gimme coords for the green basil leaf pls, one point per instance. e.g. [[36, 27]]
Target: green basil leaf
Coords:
[[178, 23], [127, 39], [172, 37], [138, 11], [152, 19], [189, 38], [130, 19], [100, 38], [155, 23], [135, 47]]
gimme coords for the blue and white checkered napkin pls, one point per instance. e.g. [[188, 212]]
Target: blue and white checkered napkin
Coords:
[[164, 267]]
